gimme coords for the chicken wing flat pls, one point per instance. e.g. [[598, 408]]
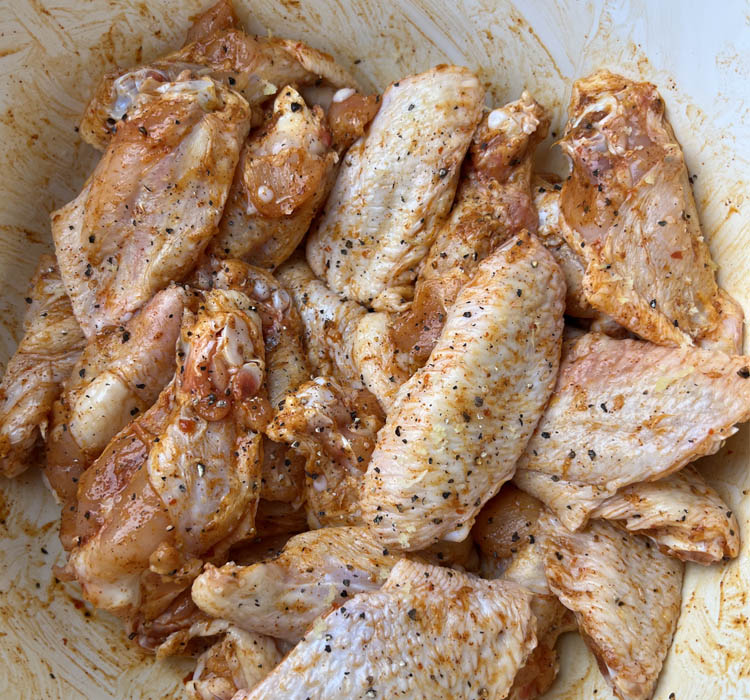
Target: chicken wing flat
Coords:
[[396, 186], [119, 375], [626, 411], [335, 427], [493, 203], [182, 481], [681, 513], [625, 595], [153, 201], [460, 423], [628, 209], [316, 571], [51, 344], [429, 633], [257, 67], [284, 175], [329, 321]]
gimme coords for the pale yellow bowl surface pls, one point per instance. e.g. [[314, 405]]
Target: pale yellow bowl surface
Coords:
[[52, 52]]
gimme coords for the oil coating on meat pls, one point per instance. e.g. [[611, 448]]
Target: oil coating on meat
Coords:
[[153, 202], [428, 632], [626, 411], [681, 513], [493, 203], [335, 427], [628, 209], [182, 481], [396, 186], [119, 375], [257, 67], [626, 598], [284, 175], [51, 344], [460, 423]]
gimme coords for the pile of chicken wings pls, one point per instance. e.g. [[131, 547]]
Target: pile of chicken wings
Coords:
[[341, 397]]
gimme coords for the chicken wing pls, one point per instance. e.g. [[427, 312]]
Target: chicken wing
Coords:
[[626, 598], [681, 513], [257, 67], [395, 187], [460, 423], [281, 597], [509, 534], [429, 632], [182, 481], [329, 322], [153, 201], [51, 344], [119, 375], [348, 116], [492, 204], [335, 427], [547, 203], [217, 18], [283, 177], [626, 411], [238, 660], [628, 209]]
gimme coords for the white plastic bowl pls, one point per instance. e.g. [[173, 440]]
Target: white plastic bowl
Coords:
[[51, 54]]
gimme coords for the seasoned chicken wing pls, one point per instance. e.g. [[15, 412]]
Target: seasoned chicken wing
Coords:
[[181, 482], [509, 533], [257, 67], [281, 597], [51, 344], [626, 411], [492, 204], [628, 209], [335, 427], [681, 513], [329, 322], [460, 423], [428, 633], [285, 172], [216, 18], [119, 375], [395, 187], [153, 201], [238, 661], [626, 598], [348, 115], [547, 202]]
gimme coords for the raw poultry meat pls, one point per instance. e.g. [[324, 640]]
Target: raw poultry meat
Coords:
[[257, 67], [285, 172], [182, 481], [428, 632], [153, 201], [626, 598], [119, 375], [493, 203], [335, 427], [51, 344], [281, 597], [395, 187], [681, 513], [460, 423], [628, 209], [626, 411]]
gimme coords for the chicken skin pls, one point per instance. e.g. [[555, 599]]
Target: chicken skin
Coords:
[[153, 202], [460, 423], [50, 347]]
